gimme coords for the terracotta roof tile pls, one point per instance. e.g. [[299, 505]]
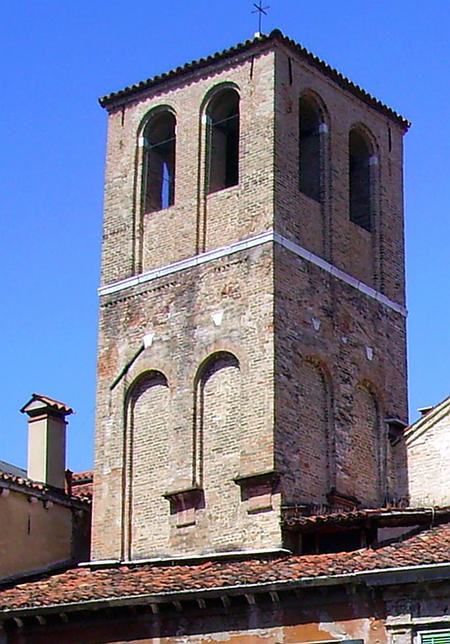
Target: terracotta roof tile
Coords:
[[275, 35], [81, 484], [83, 490], [27, 486], [378, 516], [83, 477], [90, 583], [51, 402], [22, 481]]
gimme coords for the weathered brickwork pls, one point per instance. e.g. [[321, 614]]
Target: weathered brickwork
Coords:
[[134, 241], [376, 258], [149, 457], [257, 379], [358, 347], [224, 306]]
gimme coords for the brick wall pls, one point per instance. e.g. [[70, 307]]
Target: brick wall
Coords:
[[149, 426], [356, 343], [309, 347], [134, 241], [376, 258], [226, 305]]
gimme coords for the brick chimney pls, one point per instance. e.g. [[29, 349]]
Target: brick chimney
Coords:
[[46, 440]]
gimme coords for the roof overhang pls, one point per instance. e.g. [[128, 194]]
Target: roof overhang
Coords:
[[260, 42]]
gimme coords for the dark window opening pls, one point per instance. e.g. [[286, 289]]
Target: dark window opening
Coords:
[[309, 152], [359, 181], [345, 541], [223, 141], [159, 162]]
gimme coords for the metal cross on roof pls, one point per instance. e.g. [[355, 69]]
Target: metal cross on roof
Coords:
[[260, 10]]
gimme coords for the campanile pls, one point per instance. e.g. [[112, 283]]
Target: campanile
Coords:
[[252, 347]]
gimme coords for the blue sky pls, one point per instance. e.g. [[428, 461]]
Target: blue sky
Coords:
[[57, 57]]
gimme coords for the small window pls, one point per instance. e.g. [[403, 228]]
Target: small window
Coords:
[[223, 141], [435, 637], [360, 180], [159, 162], [309, 149]]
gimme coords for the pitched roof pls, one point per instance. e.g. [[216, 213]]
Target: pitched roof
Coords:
[[21, 481], [50, 402], [275, 36], [86, 476], [9, 468], [127, 582], [401, 516], [82, 484], [35, 488], [427, 421]]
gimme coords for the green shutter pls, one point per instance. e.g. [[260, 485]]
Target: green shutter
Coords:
[[436, 637]]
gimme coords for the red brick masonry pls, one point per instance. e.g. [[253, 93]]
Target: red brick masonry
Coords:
[[82, 584]]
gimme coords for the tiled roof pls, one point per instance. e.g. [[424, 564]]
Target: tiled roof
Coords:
[[377, 516], [82, 477], [9, 468], [28, 486], [127, 581], [275, 35], [21, 481], [51, 402], [82, 483]]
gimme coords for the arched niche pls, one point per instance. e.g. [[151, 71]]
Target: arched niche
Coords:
[[147, 462]]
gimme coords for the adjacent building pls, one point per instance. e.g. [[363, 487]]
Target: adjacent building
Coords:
[[45, 525]]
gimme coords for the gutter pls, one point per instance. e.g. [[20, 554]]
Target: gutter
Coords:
[[369, 578]]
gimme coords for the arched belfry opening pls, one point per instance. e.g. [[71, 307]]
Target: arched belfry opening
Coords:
[[222, 145], [159, 162], [310, 152], [360, 198]]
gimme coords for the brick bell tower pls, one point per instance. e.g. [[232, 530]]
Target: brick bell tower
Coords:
[[252, 320]]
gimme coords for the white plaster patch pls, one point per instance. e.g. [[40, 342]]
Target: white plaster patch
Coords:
[[217, 317], [316, 323], [369, 353], [323, 128], [344, 340], [148, 340], [332, 628]]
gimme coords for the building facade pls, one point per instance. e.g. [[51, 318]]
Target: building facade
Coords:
[[45, 522], [252, 313]]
